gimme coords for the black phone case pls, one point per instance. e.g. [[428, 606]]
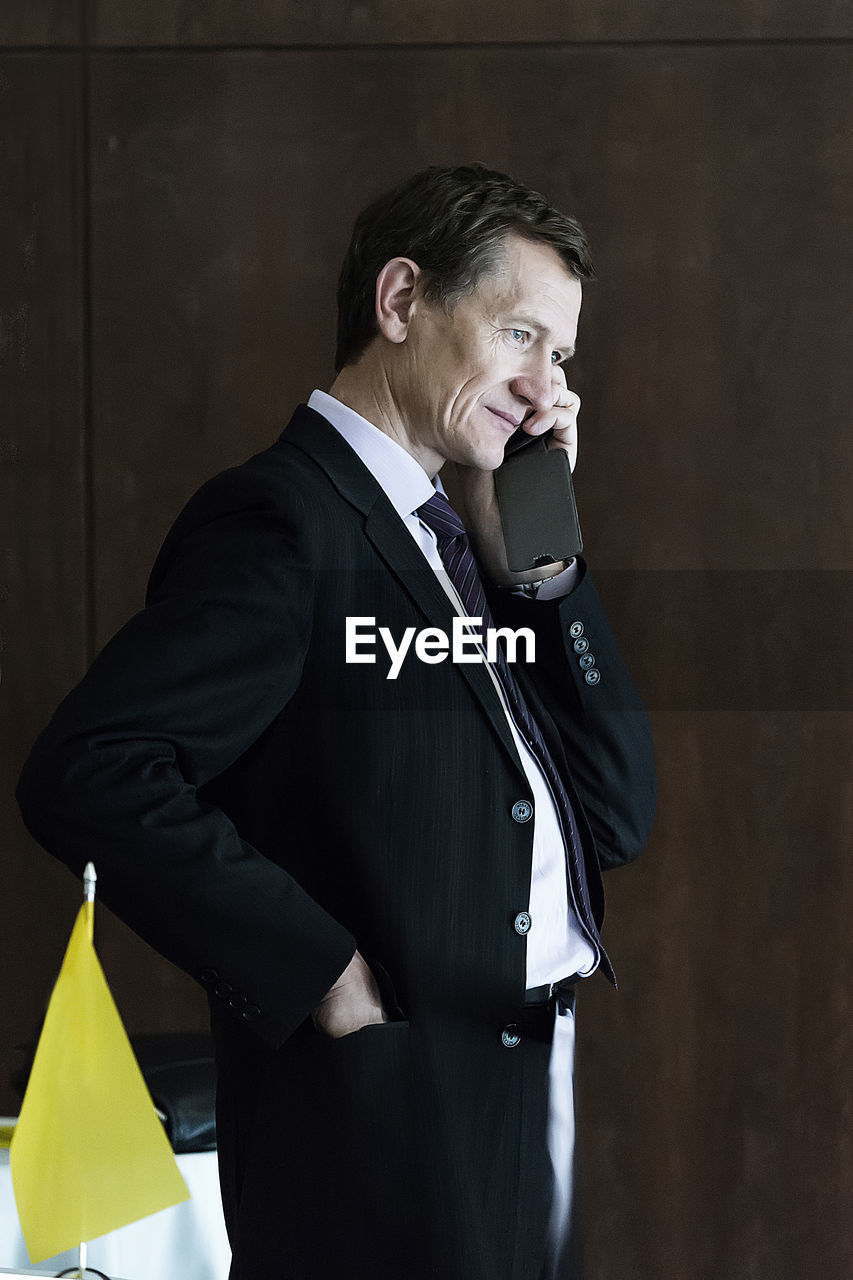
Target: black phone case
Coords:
[[537, 505]]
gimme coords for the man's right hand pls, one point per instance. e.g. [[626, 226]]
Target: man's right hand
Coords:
[[354, 1001]]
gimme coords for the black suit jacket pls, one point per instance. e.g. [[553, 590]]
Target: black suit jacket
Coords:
[[257, 808]]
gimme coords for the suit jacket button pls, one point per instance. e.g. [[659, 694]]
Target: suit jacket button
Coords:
[[510, 1036], [522, 811], [223, 989], [208, 977], [522, 922], [581, 645], [237, 1002], [587, 661], [593, 676], [251, 1012], [575, 630]]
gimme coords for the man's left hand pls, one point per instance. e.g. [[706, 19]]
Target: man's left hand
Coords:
[[562, 417]]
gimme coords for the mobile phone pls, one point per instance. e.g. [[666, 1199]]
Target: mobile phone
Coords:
[[537, 505]]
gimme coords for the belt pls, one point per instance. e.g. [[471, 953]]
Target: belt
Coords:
[[538, 997], [536, 1019]]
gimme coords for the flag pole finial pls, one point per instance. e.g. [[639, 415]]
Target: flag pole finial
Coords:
[[90, 879]]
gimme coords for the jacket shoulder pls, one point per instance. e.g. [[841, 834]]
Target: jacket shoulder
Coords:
[[275, 497], [279, 476]]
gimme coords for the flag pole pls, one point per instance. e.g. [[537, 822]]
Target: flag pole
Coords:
[[90, 880]]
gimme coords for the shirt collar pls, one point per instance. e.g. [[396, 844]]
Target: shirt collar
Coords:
[[403, 479]]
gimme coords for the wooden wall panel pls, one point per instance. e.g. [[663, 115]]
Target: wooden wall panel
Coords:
[[714, 1087], [712, 350], [337, 22], [719, 205], [41, 22], [45, 587], [42, 500]]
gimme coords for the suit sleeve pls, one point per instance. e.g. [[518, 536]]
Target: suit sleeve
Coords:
[[175, 698], [603, 725]]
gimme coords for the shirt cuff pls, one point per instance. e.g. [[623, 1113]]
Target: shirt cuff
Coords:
[[560, 585]]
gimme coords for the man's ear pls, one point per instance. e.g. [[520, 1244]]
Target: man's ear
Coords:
[[396, 291]]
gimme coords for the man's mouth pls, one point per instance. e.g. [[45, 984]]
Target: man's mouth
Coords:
[[505, 417]]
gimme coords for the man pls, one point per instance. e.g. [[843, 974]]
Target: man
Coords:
[[389, 887]]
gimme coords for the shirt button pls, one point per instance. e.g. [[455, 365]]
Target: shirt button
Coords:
[[522, 811], [593, 676], [587, 661], [522, 923], [510, 1036], [575, 630], [581, 645]]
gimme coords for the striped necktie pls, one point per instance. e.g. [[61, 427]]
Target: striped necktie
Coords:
[[458, 559]]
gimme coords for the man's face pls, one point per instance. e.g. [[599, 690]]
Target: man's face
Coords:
[[471, 377]]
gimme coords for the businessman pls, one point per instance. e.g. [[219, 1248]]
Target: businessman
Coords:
[[389, 887]]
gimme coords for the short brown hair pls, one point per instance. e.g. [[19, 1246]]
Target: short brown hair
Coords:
[[451, 222]]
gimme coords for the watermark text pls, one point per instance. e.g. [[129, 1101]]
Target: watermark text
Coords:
[[467, 642]]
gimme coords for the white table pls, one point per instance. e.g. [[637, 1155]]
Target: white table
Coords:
[[185, 1242]]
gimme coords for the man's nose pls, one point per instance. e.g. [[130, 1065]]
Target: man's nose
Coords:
[[536, 386]]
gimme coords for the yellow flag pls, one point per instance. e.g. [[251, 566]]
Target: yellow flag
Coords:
[[88, 1154]]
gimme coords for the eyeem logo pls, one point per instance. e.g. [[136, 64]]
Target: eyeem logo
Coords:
[[432, 645]]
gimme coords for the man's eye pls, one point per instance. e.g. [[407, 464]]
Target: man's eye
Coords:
[[556, 358], [519, 335]]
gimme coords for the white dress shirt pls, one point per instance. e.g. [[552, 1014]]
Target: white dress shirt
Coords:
[[557, 943]]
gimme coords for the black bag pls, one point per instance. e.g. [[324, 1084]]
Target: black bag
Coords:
[[181, 1078]]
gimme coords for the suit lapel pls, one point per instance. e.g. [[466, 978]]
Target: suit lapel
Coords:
[[313, 435]]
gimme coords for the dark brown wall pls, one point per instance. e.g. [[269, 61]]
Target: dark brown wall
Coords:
[[182, 180]]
